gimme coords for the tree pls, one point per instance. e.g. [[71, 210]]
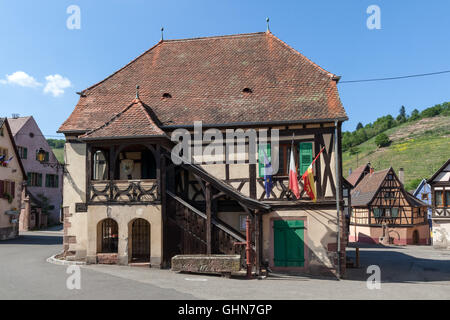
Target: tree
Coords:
[[382, 140], [415, 115], [359, 126], [402, 115]]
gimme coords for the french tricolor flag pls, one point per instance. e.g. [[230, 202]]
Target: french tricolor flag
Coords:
[[293, 181]]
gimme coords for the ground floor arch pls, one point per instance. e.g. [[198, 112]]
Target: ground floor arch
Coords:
[[139, 241]]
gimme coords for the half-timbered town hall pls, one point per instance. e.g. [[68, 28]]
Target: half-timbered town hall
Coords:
[[127, 201]]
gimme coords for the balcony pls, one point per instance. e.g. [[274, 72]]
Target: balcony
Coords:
[[124, 192]]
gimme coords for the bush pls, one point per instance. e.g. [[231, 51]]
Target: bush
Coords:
[[382, 140]]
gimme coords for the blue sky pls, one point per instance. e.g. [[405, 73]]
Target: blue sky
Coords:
[[56, 62]]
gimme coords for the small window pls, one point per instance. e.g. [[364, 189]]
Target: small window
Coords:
[[243, 222], [23, 152], [34, 179], [51, 180], [31, 135], [439, 198], [167, 95], [424, 196], [247, 90], [447, 198]]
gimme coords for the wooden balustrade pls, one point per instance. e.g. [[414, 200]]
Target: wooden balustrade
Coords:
[[123, 192]]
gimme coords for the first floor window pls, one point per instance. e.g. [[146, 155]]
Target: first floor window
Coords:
[[243, 222], [34, 179], [439, 198], [23, 152], [7, 188], [303, 157], [51, 180]]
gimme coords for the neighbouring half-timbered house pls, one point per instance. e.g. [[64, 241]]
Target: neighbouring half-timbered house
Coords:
[[440, 196], [384, 212], [127, 200], [12, 181]]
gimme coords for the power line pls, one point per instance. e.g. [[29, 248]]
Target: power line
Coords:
[[395, 78]]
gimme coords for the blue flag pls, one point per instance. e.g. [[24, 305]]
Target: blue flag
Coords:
[[268, 182]]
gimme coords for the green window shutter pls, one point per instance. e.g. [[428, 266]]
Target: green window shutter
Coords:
[[47, 155], [376, 212], [267, 149], [47, 180], [394, 212], [25, 153], [56, 181], [306, 156], [29, 178], [39, 184]]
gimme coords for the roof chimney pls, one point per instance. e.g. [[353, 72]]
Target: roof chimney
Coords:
[[371, 170], [350, 171], [401, 175]]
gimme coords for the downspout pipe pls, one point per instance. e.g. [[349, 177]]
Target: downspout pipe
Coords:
[[338, 198]]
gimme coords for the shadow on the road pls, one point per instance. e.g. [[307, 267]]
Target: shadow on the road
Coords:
[[372, 245], [38, 239], [397, 267]]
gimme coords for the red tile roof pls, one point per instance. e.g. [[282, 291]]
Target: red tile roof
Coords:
[[133, 121], [357, 175], [366, 190], [206, 77]]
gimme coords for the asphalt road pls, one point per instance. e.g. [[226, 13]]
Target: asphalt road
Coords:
[[406, 273], [25, 274]]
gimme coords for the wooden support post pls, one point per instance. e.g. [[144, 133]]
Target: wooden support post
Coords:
[[112, 170], [208, 218], [165, 256], [257, 218], [88, 172], [252, 176], [357, 258], [248, 247]]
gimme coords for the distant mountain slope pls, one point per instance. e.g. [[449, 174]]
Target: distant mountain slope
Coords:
[[420, 147]]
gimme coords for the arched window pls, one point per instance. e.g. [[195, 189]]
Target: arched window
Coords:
[[99, 171], [109, 236]]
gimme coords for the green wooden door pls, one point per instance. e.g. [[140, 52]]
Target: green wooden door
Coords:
[[306, 156], [289, 245]]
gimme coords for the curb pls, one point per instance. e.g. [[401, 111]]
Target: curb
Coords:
[[53, 260]]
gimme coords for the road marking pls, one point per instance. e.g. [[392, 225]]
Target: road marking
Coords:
[[195, 279]]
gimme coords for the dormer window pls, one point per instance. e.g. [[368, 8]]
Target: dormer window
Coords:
[[247, 90], [166, 95]]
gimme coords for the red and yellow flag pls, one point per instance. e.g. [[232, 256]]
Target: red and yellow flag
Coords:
[[308, 180]]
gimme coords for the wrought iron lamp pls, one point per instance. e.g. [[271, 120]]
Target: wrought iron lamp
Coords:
[[41, 158]]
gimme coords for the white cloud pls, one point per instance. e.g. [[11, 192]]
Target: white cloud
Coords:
[[56, 84], [22, 79]]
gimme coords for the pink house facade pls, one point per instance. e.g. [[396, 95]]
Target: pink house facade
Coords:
[[44, 183]]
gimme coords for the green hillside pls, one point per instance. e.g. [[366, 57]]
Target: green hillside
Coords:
[[420, 147], [59, 154]]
